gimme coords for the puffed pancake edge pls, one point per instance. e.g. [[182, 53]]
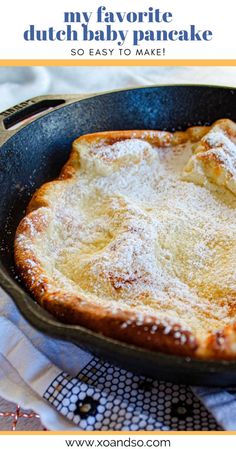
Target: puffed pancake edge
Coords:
[[78, 310]]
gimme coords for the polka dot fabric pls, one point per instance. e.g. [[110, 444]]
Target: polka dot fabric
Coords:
[[104, 397]]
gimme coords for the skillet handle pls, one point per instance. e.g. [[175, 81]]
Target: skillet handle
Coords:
[[18, 116]]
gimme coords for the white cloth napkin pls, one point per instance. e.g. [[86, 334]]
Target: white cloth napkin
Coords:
[[20, 83], [69, 388]]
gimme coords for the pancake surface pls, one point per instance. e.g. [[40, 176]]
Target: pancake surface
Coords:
[[137, 239]]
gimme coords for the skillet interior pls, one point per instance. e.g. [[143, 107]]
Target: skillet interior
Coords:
[[37, 152]]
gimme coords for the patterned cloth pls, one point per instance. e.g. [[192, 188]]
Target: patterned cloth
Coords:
[[83, 392], [104, 397]]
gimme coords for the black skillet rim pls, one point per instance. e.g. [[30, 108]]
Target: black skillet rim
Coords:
[[46, 323]]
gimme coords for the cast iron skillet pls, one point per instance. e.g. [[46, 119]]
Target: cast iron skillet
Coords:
[[35, 152]]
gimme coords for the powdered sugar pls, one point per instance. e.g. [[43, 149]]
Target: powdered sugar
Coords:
[[138, 237], [102, 159], [121, 149], [224, 148]]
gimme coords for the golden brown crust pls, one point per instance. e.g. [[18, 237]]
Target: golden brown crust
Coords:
[[125, 326], [73, 309]]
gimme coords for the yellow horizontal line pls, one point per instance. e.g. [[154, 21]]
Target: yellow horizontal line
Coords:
[[85, 432], [117, 62]]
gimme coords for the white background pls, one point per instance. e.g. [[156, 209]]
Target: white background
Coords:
[[217, 16], [177, 441]]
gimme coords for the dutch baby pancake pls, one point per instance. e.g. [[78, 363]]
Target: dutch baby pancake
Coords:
[[136, 239]]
